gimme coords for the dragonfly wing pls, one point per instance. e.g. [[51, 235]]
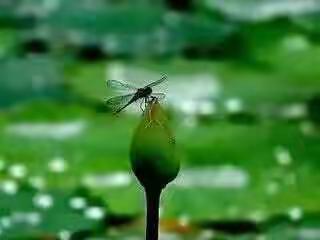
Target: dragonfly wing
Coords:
[[120, 86], [157, 82], [118, 102]]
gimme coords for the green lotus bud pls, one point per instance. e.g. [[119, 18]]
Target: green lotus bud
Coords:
[[153, 156]]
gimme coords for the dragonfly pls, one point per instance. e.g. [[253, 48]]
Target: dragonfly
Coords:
[[145, 93]]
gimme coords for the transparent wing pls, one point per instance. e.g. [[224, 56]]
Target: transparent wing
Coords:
[[161, 88], [118, 102], [159, 96], [157, 82], [120, 86]]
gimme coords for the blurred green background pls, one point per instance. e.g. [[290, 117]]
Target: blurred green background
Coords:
[[243, 98]]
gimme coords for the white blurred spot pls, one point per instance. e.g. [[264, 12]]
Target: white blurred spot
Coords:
[[42, 200], [18, 171], [206, 235], [264, 9], [116, 71], [189, 107], [261, 237], [295, 111], [58, 131], [309, 233], [190, 121], [258, 216], [209, 177], [295, 213], [37, 182], [32, 218], [41, 9], [78, 203], [58, 165], [193, 94], [9, 187], [64, 235], [198, 107], [51, 5], [234, 105], [207, 108], [116, 179], [5, 222], [283, 156], [94, 213]]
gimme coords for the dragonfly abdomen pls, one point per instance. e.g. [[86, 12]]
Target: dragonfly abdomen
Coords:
[[144, 92]]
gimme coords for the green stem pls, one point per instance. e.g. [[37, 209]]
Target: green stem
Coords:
[[153, 199]]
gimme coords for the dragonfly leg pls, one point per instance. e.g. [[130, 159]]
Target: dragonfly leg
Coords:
[[146, 102], [141, 103], [149, 111], [151, 100]]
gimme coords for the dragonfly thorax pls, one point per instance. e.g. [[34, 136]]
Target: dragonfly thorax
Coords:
[[144, 92]]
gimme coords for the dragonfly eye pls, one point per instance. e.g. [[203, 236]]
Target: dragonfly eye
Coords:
[[148, 90]]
